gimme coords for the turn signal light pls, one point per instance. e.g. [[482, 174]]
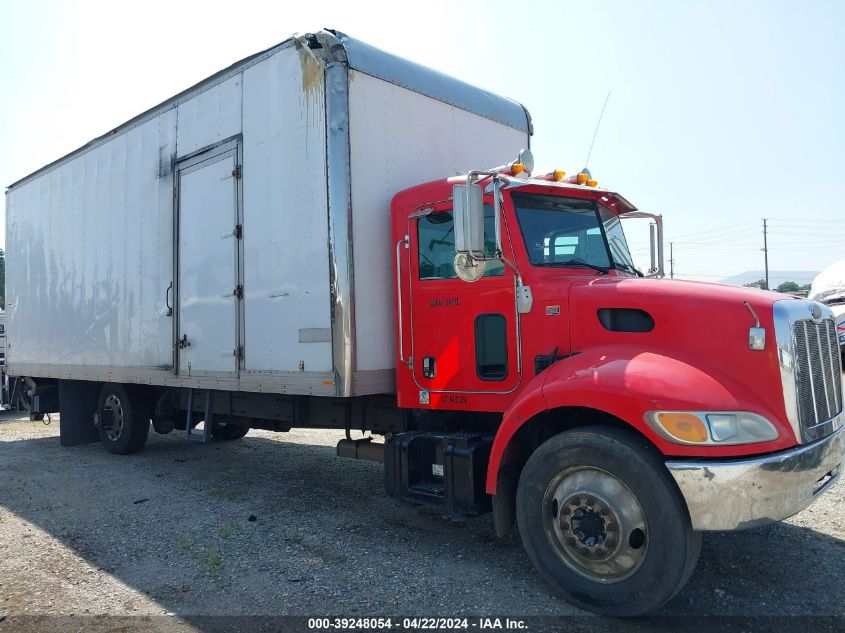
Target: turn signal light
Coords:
[[684, 426], [517, 168], [712, 427], [558, 175]]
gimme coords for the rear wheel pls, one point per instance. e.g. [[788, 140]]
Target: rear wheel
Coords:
[[226, 432], [603, 522], [124, 421]]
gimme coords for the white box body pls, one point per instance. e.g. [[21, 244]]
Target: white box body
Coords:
[[247, 218]]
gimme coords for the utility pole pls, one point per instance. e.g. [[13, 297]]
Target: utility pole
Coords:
[[671, 260], [766, 251]]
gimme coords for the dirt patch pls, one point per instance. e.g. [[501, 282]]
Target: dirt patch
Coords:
[[277, 524]]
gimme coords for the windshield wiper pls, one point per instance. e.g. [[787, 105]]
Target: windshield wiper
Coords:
[[580, 262], [627, 268]]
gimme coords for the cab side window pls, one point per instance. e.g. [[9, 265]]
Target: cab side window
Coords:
[[436, 239]]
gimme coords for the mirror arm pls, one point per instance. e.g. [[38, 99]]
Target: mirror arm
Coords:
[[658, 222], [512, 267], [497, 217]]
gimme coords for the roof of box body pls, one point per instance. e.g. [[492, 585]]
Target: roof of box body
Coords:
[[361, 57]]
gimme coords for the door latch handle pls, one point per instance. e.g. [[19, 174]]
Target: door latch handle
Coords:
[[183, 342], [167, 299], [428, 368]]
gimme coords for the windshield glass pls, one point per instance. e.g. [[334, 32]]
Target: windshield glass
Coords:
[[562, 231], [616, 240]]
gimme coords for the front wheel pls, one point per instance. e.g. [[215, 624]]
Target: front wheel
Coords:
[[603, 522]]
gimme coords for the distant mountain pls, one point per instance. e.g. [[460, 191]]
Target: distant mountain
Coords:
[[776, 277]]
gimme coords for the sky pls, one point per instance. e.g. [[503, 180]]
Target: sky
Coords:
[[721, 113]]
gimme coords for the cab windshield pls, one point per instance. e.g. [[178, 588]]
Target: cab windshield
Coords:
[[571, 232]]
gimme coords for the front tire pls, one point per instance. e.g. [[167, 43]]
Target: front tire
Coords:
[[126, 425], [603, 522]]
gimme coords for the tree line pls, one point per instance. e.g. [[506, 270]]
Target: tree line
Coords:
[[786, 286]]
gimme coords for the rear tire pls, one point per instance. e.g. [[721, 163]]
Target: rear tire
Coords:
[[228, 432], [127, 431], [604, 523]]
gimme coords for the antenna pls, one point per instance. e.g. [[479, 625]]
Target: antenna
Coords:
[[597, 130]]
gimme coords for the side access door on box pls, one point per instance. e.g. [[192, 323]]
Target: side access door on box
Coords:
[[208, 328]]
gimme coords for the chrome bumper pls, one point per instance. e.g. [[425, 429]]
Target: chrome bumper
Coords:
[[744, 493]]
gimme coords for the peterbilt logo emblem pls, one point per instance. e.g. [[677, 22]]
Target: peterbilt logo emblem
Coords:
[[816, 311]]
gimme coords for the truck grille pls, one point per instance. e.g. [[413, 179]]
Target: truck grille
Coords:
[[818, 371]]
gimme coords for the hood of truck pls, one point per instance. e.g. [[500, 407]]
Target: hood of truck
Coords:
[[687, 315], [704, 325]]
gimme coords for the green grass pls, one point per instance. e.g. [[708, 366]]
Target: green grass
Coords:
[[211, 562], [223, 493], [235, 475]]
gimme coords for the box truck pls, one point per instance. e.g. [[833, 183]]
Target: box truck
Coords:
[[316, 237]]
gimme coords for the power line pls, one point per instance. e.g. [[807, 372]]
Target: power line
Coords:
[[766, 252], [804, 221], [730, 228], [671, 260]]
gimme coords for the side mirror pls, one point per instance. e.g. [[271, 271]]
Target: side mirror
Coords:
[[468, 215], [655, 239]]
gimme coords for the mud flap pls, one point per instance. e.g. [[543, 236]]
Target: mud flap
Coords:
[[77, 404]]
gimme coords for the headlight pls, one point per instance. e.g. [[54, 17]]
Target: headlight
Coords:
[[712, 427]]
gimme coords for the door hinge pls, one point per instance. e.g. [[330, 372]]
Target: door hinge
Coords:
[[236, 172], [239, 231], [239, 352], [239, 291]]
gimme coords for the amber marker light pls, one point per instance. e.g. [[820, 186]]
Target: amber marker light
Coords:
[[712, 427], [686, 427], [592, 183], [582, 178], [517, 168], [558, 175]]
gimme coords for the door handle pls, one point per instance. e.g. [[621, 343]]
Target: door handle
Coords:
[[429, 368], [167, 299], [183, 342]]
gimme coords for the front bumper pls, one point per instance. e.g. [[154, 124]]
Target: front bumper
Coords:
[[747, 492]]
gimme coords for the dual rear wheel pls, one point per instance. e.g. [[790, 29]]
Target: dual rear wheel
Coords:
[[124, 422], [125, 412]]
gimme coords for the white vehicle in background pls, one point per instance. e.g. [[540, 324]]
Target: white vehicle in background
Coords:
[[3, 395], [2, 337], [829, 288]]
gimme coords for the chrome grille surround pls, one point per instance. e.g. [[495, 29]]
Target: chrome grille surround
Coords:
[[811, 375]]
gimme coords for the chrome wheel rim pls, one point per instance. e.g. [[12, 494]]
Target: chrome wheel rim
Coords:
[[595, 524], [114, 404]]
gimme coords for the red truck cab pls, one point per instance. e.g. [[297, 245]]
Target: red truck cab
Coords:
[[626, 414]]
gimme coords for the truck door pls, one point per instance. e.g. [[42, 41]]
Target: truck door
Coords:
[[208, 327], [464, 334]]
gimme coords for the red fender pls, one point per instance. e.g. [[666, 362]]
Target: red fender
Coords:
[[626, 382]]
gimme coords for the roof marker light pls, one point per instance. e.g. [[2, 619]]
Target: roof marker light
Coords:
[[558, 175], [583, 176], [517, 168]]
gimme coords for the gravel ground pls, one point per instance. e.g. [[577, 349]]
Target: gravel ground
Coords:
[[276, 524]]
